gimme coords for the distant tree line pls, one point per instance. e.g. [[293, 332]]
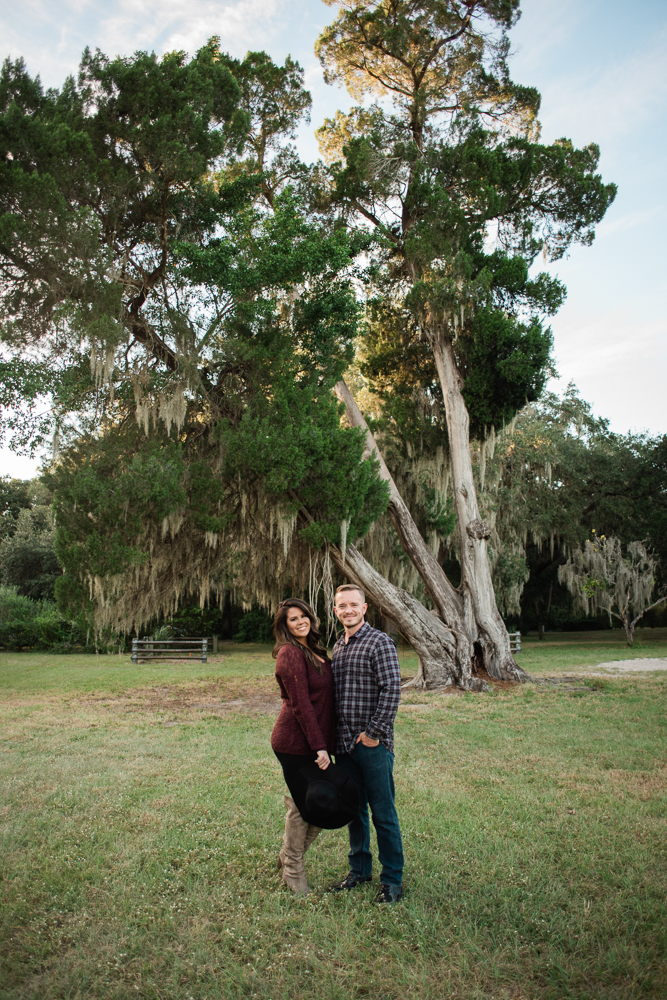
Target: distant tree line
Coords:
[[552, 480]]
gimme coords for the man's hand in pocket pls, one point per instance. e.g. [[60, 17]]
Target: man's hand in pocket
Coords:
[[367, 741]]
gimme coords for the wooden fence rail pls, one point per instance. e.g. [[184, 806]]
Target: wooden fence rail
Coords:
[[169, 649], [515, 642]]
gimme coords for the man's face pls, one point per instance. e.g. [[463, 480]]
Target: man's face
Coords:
[[350, 608]]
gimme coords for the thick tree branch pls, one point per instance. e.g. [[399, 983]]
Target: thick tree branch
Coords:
[[444, 596], [145, 335]]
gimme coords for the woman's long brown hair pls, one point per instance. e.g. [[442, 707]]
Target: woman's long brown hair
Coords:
[[285, 638]]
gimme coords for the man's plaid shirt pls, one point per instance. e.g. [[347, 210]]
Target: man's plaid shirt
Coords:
[[367, 685]]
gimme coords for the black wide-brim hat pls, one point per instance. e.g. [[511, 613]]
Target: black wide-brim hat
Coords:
[[332, 798]]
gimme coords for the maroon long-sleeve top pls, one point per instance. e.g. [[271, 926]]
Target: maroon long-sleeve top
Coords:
[[306, 721]]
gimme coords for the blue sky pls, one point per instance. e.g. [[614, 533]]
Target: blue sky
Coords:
[[601, 68]]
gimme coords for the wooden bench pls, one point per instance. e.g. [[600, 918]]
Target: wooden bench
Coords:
[[515, 642], [170, 649]]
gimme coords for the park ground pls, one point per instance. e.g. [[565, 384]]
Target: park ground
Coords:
[[141, 815]]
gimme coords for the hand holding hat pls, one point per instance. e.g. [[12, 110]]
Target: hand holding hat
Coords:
[[332, 798]]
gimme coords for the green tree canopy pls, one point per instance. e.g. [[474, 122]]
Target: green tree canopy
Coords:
[[557, 476], [217, 315]]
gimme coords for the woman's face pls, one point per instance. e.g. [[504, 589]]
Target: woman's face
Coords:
[[298, 623]]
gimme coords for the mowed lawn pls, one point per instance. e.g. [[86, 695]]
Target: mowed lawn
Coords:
[[142, 813]]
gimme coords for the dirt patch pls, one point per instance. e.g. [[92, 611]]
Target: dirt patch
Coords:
[[493, 682], [644, 785], [254, 697], [479, 673], [409, 692], [568, 683], [639, 665]]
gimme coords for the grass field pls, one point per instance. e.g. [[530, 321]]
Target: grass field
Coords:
[[142, 812]]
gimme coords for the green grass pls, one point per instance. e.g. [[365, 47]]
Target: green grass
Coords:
[[141, 815], [37, 672], [566, 652]]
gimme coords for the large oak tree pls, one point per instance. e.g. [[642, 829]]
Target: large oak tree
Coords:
[[161, 281]]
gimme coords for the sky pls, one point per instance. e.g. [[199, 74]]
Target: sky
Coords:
[[600, 67]]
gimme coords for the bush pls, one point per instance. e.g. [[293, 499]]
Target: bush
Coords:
[[15, 607], [223, 622], [27, 558], [255, 626], [38, 624]]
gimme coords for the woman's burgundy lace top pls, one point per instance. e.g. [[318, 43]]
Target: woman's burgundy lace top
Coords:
[[306, 721]]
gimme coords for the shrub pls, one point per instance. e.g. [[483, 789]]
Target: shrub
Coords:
[[193, 620], [255, 626], [38, 624], [27, 559], [15, 607]]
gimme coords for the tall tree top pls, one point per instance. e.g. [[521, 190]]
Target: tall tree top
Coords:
[[445, 162], [430, 57]]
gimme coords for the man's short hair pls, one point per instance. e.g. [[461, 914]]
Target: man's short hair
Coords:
[[351, 586]]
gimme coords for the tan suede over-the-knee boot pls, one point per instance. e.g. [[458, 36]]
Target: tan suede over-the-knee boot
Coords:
[[311, 835], [297, 832]]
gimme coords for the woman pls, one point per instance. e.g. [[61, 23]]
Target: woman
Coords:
[[305, 728]]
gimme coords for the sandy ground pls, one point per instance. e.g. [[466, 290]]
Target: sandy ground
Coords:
[[628, 666]]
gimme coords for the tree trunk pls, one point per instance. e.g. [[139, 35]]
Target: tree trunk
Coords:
[[452, 606], [629, 629], [445, 597], [433, 642], [476, 584]]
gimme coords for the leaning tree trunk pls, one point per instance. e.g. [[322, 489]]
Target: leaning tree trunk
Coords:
[[453, 606], [446, 600], [433, 642], [486, 624]]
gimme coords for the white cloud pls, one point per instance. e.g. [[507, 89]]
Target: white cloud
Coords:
[[543, 26], [60, 31], [241, 25], [18, 466], [313, 75]]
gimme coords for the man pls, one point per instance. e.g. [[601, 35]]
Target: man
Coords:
[[367, 686]]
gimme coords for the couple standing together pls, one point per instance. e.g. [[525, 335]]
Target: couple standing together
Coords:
[[345, 706]]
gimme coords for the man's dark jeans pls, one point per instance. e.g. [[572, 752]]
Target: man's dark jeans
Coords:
[[373, 771]]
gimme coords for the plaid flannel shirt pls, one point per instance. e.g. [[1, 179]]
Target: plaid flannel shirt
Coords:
[[367, 686]]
